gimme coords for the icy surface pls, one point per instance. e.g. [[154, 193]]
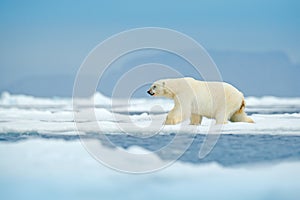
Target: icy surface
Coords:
[[22, 114], [41, 169], [41, 156]]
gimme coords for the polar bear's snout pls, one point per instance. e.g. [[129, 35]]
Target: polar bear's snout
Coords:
[[152, 89], [150, 92]]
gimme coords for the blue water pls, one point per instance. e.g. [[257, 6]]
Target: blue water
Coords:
[[230, 150]]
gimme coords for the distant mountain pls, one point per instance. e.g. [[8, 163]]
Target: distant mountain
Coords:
[[43, 86], [256, 74], [259, 74]]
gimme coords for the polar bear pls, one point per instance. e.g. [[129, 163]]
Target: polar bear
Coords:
[[196, 99]]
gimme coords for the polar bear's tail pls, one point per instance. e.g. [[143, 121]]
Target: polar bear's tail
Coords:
[[243, 105], [240, 115]]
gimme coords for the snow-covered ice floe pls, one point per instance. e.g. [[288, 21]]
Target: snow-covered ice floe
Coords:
[[249, 161], [23, 114], [64, 170]]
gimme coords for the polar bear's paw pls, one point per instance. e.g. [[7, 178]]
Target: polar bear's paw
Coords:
[[172, 120]]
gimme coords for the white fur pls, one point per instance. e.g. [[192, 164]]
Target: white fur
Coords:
[[195, 99]]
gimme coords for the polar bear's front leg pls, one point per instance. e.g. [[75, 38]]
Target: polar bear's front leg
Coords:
[[221, 117], [174, 117], [195, 119], [177, 115], [181, 110]]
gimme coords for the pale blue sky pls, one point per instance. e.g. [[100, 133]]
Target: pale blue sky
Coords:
[[53, 37]]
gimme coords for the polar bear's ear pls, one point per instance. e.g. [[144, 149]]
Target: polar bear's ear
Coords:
[[163, 83]]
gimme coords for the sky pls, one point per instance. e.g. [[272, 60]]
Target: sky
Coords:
[[40, 39]]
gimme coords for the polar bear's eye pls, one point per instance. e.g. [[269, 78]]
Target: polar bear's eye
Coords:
[[154, 87]]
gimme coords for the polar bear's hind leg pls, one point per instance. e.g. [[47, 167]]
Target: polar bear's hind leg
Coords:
[[240, 115]]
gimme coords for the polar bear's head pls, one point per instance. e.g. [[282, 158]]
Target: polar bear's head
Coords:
[[171, 88], [160, 89]]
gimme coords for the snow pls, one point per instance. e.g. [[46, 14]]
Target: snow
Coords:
[[99, 99], [21, 114], [41, 169], [8, 99], [272, 101]]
